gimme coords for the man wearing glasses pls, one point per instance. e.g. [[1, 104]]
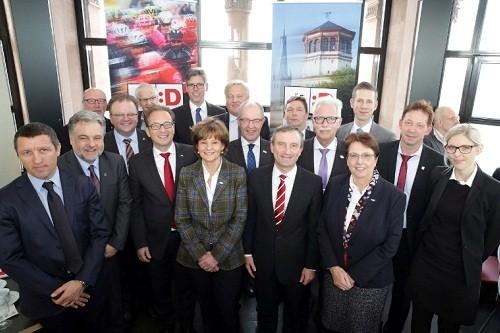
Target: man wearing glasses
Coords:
[[153, 173], [196, 109], [407, 163], [250, 150], [323, 154], [126, 139], [147, 96]]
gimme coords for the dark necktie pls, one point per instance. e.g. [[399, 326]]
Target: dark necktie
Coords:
[[129, 151], [323, 167], [402, 172], [95, 181], [359, 130], [279, 207], [198, 115], [61, 223], [251, 163], [168, 178]]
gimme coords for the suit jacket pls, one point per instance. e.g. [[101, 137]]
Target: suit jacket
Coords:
[[235, 153], [496, 174], [380, 133], [421, 190], [63, 136], [432, 141], [152, 210], [219, 231], [184, 121], [293, 247], [115, 194], [306, 159], [374, 240], [479, 224], [111, 145], [309, 134], [265, 133], [31, 253]]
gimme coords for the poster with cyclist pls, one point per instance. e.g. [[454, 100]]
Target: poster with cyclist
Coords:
[[150, 41]]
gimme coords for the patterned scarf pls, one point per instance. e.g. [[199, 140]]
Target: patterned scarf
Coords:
[[346, 236]]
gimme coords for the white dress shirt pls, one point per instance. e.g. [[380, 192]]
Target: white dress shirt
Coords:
[[122, 147], [330, 156], [289, 180], [234, 131], [203, 112], [356, 194], [85, 166], [256, 150], [160, 161], [365, 128], [469, 180], [210, 184]]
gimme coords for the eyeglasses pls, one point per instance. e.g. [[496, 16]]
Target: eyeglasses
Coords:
[[123, 115], [362, 157], [148, 99], [95, 100], [195, 85], [321, 120], [165, 125], [246, 121], [465, 149]]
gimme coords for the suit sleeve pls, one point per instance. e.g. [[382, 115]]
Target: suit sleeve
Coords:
[[312, 256], [137, 224], [383, 253], [235, 226], [183, 219], [13, 259], [327, 253], [122, 216], [492, 233]]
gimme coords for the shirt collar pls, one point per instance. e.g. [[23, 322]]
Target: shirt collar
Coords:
[[121, 137], [206, 173], [290, 174], [417, 153], [232, 118], [469, 180], [245, 143], [332, 146], [38, 183], [193, 106], [157, 152], [365, 128], [439, 136], [85, 165]]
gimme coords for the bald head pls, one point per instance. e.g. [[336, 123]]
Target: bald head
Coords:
[[444, 119], [94, 100]]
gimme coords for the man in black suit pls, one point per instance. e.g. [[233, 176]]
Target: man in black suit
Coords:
[[123, 113], [296, 114], [250, 120], [189, 114], [147, 96], [53, 234], [108, 174], [280, 241], [444, 119], [323, 154], [237, 92], [408, 163], [152, 176]]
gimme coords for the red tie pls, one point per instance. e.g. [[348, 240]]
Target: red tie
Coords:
[[402, 172], [279, 208], [169, 181]]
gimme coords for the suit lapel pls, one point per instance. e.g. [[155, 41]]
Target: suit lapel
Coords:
[[438, 192], [104, 171], [265, 157], [152, 170], [422, 172], [199, 182], [74, 164], [222, 180], [240, 156], [391, 162], [339, 161], [295, 195], [474, 192]]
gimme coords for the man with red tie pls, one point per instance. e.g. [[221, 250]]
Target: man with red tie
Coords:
[[152, 184], [407, 163], [280, 242]]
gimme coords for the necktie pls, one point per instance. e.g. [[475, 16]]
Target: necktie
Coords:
[[198, 115], [251, 163], [61, 223], [323, 166], [95, 181], [168, 178], [279, 207], [129, 151], [359, 130], [402, 172]]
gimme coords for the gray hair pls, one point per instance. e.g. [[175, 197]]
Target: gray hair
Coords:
[[197, 71], [86, 117], [248, 103], [236, 83], [328, 100], [144, 86], [287, 129]]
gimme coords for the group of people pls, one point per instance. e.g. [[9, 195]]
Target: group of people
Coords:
[[324, 221]]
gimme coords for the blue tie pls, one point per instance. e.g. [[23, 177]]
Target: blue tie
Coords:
[[198, 115], [359, 130], [251, 164]]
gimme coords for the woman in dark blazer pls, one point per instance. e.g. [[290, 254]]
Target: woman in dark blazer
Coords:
[[210, 212], [459, 230], [359, 233]]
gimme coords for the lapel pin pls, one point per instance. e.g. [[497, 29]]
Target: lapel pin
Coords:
[[422, 167], [105, 174], [221, 183], [264, 151], [372, 200], [341, 156], [181, 155]]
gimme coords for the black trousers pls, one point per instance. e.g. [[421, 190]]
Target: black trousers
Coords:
[[270, 293], [400, 303], [218, 294], [421, 320]]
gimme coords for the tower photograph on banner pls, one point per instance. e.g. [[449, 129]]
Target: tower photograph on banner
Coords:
[[315, 45]]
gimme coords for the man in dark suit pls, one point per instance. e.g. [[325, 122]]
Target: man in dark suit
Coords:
[[444, 119], [323, 154], [364, 103], [189, 114], [296, 113], [496, 174], [251, 119], [407, 163], [53, 234], [236, 92], [280, 241], [152, 176], [147, 96], [108, 174], [126, 139]]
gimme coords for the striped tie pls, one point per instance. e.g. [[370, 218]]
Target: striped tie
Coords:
[[279, 208], [129, 151]]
